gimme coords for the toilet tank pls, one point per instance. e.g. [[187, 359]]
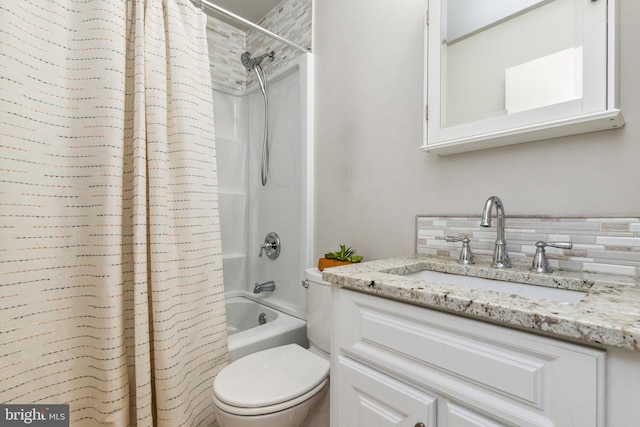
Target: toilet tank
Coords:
[[319, 310]]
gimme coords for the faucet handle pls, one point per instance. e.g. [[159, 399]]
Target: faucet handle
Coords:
[[466, 257], [271, 246], [540, 262]]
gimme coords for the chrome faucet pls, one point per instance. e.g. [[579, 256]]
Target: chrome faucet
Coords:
[[266, 286], [500, 255]]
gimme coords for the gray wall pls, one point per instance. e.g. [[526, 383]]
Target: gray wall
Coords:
[[371, 179]]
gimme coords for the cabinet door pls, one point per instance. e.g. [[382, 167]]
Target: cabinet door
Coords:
[[369, 398]]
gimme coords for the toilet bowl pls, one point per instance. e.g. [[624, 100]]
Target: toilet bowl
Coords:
[[279, 386], [284, 386]]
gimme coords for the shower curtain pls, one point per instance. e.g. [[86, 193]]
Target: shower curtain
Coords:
[[111, 294]]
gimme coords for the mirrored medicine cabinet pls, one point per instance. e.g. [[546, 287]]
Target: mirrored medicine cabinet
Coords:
[[502, 72]]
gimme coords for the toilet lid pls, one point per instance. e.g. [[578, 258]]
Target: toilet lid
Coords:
[[270, 377]]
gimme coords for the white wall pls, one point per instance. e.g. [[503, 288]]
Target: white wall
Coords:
[[371, 179]]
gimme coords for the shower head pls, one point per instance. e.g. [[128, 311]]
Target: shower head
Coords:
[[250, 62], [247, 60]]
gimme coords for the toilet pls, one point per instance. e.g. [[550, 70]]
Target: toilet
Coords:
[[286, 386]]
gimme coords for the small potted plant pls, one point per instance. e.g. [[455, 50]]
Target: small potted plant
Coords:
[[343, 257]]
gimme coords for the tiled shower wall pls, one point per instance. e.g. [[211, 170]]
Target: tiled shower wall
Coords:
[[226, 43], [601, 245], [291, 19]]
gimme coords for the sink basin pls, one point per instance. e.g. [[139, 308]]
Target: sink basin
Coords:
[[533, 291]]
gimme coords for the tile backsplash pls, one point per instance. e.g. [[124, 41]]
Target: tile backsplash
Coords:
[[600, 244]]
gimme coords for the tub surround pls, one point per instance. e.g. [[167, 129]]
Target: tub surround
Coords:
[[609, 314], [239, 119]]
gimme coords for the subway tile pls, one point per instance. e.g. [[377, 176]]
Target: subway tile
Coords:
[[583, 239], [615, 227], [609, 268], [624, 256], [576, 225], [618, 241]]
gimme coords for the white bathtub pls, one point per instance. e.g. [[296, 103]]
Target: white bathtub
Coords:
[[247, 336]]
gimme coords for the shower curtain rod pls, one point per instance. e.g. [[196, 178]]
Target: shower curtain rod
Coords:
[[208, 4]]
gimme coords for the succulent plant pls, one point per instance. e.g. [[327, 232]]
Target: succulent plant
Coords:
[[344, 254]]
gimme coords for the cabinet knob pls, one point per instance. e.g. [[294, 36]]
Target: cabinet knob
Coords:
[[419, 425]]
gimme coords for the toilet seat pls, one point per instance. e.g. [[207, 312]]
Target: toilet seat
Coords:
[[270, 380], [264, 410]]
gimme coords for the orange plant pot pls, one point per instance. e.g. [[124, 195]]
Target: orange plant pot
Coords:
[[326, 263]]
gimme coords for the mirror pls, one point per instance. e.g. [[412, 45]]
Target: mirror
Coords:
[[502, 72]]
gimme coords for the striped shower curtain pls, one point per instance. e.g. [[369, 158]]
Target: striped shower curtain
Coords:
[[111, 294]]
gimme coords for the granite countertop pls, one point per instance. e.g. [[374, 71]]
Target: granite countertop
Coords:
[[609, 314]]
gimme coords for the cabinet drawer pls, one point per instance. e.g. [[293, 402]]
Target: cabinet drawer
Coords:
[[505, 370]]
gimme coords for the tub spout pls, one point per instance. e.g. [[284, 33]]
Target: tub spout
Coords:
[[266, 286]]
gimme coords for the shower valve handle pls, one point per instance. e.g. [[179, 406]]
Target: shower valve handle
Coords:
[[271, 246], [266, 246]]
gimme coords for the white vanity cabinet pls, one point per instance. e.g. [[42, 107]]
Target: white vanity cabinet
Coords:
[[396, 364]]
